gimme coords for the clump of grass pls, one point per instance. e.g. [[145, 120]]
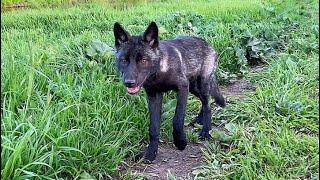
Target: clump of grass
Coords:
[[66, 115]]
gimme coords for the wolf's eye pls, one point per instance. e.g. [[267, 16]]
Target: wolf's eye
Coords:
[[123, 60], [143, 61]]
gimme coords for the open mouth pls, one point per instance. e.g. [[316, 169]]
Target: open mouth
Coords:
[[133, 90]]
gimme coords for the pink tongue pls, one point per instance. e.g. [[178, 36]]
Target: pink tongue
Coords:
[[133, 90]]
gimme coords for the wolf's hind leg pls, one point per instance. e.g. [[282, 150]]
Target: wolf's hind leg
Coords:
[[204, 87]]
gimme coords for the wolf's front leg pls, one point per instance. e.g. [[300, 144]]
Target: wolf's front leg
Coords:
[[154, 103], [179, 137]]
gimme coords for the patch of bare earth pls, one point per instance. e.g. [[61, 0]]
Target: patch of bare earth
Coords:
[[180, 164], [13, 7], [169, 160], [237, 89]]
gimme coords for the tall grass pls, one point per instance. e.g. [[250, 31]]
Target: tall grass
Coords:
[[65, 115], [67, 3]]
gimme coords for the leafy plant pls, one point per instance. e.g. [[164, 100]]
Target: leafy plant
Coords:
[[96, 47]]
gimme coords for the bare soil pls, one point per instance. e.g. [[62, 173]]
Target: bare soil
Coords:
[[170, 161], [14, 7], [237, 88]]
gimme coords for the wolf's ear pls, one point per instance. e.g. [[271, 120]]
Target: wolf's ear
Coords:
[[151, 35], [120, 35]]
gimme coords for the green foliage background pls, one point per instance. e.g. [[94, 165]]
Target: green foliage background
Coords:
[[65, 115]]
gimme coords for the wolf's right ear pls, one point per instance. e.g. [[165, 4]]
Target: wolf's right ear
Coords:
[[120, 35]]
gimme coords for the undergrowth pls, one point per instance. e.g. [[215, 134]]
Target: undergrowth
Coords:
[[65, 113]]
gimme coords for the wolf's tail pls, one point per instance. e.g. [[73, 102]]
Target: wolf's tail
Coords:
[[215, 92]]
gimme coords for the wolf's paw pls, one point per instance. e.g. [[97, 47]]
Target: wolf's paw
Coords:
[[205, 135], [180, 144], [179, 141], [150, 156], [147, 156]]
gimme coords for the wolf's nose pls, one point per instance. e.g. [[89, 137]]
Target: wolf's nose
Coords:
[[129, 82]]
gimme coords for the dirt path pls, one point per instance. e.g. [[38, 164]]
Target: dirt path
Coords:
[[180, 164], [14, 7], [237, 89], [170, 161]]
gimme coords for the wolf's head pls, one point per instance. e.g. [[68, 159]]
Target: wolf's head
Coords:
[[137, 57]]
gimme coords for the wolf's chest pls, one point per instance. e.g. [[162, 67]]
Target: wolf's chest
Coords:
[[161, 84]]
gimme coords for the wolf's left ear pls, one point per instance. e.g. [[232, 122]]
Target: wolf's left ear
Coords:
[[120, 35], [151, 35]]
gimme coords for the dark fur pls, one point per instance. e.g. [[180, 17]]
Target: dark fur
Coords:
[[183, 64]]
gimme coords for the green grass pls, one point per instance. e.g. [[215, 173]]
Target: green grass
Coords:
[[276, 128], [58, 3], [66, 116]]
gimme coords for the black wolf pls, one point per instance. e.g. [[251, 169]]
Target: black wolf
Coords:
[[183, 64]]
